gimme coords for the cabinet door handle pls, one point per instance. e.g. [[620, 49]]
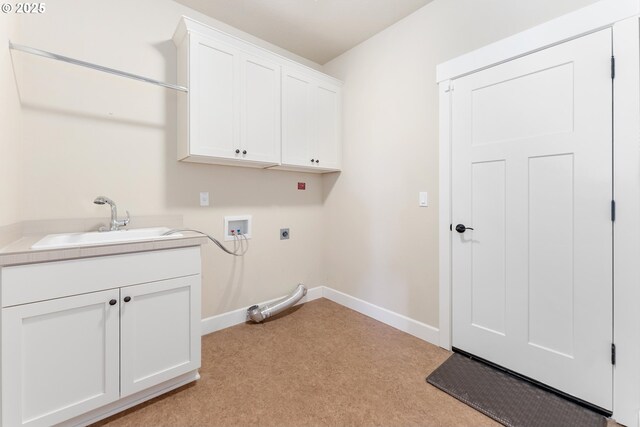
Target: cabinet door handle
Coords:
[[317, 161], [113, 302], [244, 151], [127, 299], [237, 151], [313, 160]]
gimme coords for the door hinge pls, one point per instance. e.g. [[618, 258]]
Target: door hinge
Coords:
[[613, 354], [613, 211], [613, 67]]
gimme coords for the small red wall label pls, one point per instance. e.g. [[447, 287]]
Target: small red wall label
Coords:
[[302, 186]]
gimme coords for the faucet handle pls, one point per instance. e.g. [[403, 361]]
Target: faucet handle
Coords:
[[123, 222]]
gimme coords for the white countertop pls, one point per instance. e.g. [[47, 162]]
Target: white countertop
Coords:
[[20, 252]]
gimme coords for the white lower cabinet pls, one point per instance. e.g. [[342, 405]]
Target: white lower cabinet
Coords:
[[77, 355], [159, 336], [60, 358]]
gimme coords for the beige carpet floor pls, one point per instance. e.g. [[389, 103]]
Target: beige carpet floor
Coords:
[[320, 364]]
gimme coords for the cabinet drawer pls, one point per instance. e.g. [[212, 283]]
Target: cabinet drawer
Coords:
[[38, 282]]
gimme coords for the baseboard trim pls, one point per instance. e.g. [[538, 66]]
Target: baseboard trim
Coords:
[[403, 323], [130, 401], [236, 317], [418, 329]]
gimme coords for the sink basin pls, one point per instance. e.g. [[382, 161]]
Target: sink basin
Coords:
[[53, 241]]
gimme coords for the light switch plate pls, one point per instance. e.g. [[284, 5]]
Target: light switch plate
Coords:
[[423, 199]]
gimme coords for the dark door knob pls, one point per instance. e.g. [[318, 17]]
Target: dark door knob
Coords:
[[460, 228], [317, 161], [127, 299], [238, 151], [313, 160], [113, 302], [244, 151]]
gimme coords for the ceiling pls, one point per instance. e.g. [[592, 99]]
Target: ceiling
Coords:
[[319, 30]]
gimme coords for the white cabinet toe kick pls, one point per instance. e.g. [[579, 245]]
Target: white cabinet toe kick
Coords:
[[84, 339]]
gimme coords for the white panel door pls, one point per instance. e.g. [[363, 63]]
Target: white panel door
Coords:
[[260, 106], [327, 118], [214, 99], [532, 175], [297, 116], [160, 332], [60, 358]]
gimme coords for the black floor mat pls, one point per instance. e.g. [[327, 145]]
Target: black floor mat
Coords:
[[507, 399]]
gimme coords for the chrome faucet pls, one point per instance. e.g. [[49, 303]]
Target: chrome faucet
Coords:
[[115, 222]]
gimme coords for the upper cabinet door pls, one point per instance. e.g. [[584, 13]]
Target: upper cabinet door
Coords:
[[214, 98], [327, 120], [260, 109], [311, 115], [59, 358], [297, 115]]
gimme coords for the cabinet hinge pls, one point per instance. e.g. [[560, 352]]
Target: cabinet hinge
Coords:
[[449, 87], [613, 354], [613, 67], [613, 210]]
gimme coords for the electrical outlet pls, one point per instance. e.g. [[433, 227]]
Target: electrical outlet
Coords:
[[204, 198], [284, 234]]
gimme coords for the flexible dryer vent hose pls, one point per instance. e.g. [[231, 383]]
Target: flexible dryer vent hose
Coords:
[[258, 314]]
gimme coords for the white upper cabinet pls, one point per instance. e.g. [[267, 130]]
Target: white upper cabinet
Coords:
[[259, 109], [233, 113], [327, 118], [247, 106], [311, 131], [214, 99], [297, 111]]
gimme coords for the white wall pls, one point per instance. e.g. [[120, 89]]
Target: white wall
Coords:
[[380, 246], [10, 119], [87, 133]]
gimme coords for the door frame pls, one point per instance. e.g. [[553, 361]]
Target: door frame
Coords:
[[623, 17]]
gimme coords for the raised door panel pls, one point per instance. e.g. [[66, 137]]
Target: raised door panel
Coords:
[[297, 125], [214, 99], [60, 358], [160, 332], [260, 111], [326, 118]]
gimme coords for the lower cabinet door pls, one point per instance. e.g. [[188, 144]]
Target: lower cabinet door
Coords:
[[160, 332], [60, 358]]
